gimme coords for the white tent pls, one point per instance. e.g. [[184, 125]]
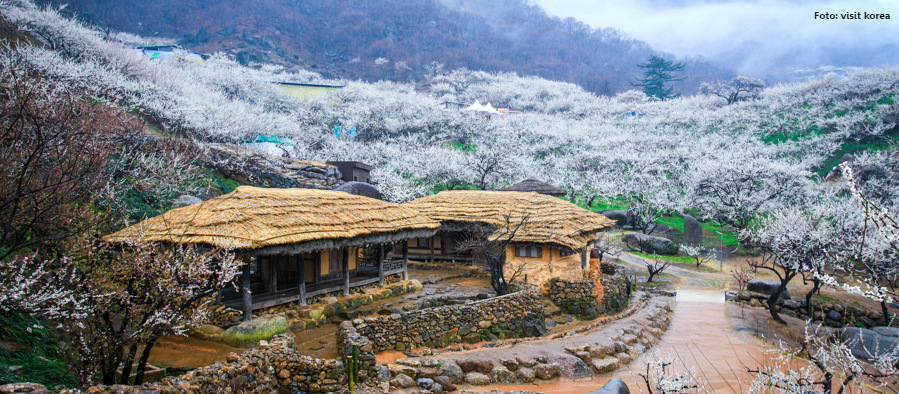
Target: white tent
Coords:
[[477, 107]]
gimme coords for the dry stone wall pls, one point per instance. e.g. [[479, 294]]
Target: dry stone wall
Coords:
[[514, 315], [575, 297]]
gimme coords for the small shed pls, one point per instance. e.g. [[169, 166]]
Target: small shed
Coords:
[[533, 185], [353, 171]]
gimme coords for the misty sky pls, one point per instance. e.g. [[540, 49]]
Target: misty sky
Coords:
[[750, 36]]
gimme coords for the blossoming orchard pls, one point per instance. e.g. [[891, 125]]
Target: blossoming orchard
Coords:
[[793, 185]]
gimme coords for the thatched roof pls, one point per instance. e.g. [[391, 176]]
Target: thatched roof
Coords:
[[278, 221], [550, 220], [533, 185]]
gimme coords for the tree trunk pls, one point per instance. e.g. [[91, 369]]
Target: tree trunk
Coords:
[[886, 312], [810, 308], [127, 363], [142, 365]]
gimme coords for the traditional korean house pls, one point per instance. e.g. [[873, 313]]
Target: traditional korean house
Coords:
[[555, 237], [297, 243]]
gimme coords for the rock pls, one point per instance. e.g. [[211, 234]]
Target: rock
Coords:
[[425, 383], [548, 371], [511, 364], [605, 365], [834, 315], [692, 231], [400, 369], [31, 388], [477, 379], [617, 214], [445, 383], [501, 374], [613, 386], [886, 331], [402, 381], [624, 358], [249, 333], [360, 189], [475, 365], [185, 200], [792, 304], [452, 371], [571, 367], [867, 344], [650, 244], [525, 375], [767, 288], [383, 374], [526, 362]]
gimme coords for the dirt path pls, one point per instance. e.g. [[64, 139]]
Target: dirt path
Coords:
[[701, 333]]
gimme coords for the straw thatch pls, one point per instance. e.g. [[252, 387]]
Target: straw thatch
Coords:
[[533, 185], [549, 220], [280, 221]]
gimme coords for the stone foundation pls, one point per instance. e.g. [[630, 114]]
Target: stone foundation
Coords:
[[514, 315]]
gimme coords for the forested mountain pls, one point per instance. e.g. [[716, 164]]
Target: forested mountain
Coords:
[[399, 40]]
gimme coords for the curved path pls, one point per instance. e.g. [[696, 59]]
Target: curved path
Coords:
[[701, 333]]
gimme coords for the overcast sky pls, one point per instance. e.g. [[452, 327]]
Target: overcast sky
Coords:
[[749, 35]]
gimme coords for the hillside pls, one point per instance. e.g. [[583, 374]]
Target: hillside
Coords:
[[398, 40]]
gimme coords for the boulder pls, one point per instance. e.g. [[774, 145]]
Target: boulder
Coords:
[[834, 315], [185, 200], [616, 214], [650, 244], [571, 367], [525, 375], [402, 381], [477, 379], [886, 331], [425, 383], [476, 365], [249, 333], [548, 371], [605, 365], [692, 231], [360, 189], [767, 287], [445, 383], [501, 374], [452, 371], [614, 386], [208, 332], [867, 344]]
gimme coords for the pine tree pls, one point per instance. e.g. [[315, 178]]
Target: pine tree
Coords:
[[656, 72]]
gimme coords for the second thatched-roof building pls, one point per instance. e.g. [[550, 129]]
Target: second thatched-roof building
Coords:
[[557, 235]]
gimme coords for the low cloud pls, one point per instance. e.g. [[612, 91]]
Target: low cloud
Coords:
[[756, 37]]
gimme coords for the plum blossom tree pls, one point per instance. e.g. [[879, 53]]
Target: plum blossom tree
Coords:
[[739, 88]]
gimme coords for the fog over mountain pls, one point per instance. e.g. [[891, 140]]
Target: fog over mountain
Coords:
[[777, 40], [398, 40]]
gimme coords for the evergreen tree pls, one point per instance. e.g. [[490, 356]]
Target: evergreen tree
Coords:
[[656, 72]]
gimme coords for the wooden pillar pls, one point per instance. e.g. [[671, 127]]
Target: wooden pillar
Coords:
[[405, 260], [345, 264], [381, 263], [584, 258], [301, 287], [246, 297], [444, 243], [431, 241], [272, 275]]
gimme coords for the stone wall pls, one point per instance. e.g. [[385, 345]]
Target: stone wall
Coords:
[[574, 297], [832, 314], [594, 353], [616, 287], [274, 367], [518, 314]]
